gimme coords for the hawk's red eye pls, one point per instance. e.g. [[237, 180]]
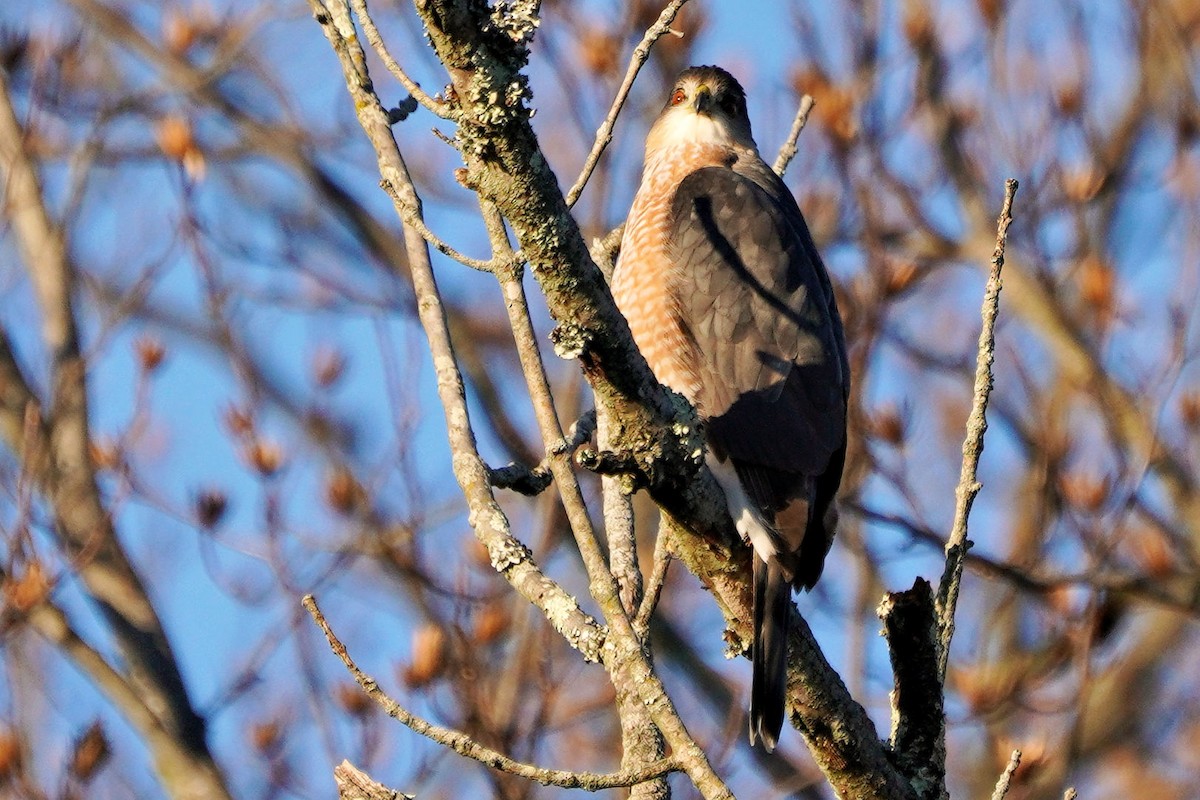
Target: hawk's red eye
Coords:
[[678, 97]]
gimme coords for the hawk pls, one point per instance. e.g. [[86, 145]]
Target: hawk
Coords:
[[729, 302]]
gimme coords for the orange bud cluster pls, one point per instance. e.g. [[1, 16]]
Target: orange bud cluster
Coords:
[[1152, 552], [343, 492], [150, 353], [1189, 408], [265, 456], [25, 587], [10, 755], [328, 366], [918, 26], [491, 623], [178, 143], [266, 737], [1097, 285], [105, 452], [1084, 491], [900, 276], [1080, 185], [835, 106], [90, 754], [889, 424], [239, 421], [599, 51], [352, 699], [428, 656]]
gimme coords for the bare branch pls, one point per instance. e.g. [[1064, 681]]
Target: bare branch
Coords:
[[918, 717], [968, 485], [787, 151], [1002, 785], [464, 745], [619, 530], [658, 579], [354, 784], [438, 107], [17, 403], [604, 135], [68, 478], [183, 776], [412, 217], [620, 654], [642, 739]]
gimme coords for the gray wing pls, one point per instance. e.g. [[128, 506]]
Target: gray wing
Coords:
[[752, 293]]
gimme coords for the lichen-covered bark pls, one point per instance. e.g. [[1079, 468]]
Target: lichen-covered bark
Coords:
[[506, 167]]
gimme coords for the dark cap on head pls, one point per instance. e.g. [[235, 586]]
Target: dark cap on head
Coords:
[[728, 95]]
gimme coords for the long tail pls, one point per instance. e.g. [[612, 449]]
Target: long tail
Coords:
[[768, 688]]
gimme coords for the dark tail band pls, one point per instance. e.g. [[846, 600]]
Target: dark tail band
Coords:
[[768, 688]]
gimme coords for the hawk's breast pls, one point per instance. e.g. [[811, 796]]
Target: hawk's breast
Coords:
[[642, 281]]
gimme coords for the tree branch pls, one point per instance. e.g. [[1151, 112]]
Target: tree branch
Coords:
[[918, 716], [604, 135], [437, 106], [464, 745], [787, 151], [1003, 785], [968, 485]]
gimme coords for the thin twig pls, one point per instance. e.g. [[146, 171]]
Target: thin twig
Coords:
[[438, 107], [1021, 577], [604, 250], [658, 579], [412, 217], [968, 484], [604, 135], [787, 151], [464, 745], [1005, 781]]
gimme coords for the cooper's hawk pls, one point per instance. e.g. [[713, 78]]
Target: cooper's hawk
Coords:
[[730, 304]]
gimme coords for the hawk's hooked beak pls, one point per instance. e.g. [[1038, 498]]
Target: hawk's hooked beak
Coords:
[[704, 100]]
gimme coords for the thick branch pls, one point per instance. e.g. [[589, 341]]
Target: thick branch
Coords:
[[619, 655], [641, 737], [918, 719]]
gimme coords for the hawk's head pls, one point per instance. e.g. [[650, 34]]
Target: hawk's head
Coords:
[[706, 104]]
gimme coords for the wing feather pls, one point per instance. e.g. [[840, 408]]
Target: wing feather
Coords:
[[752, 293]]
